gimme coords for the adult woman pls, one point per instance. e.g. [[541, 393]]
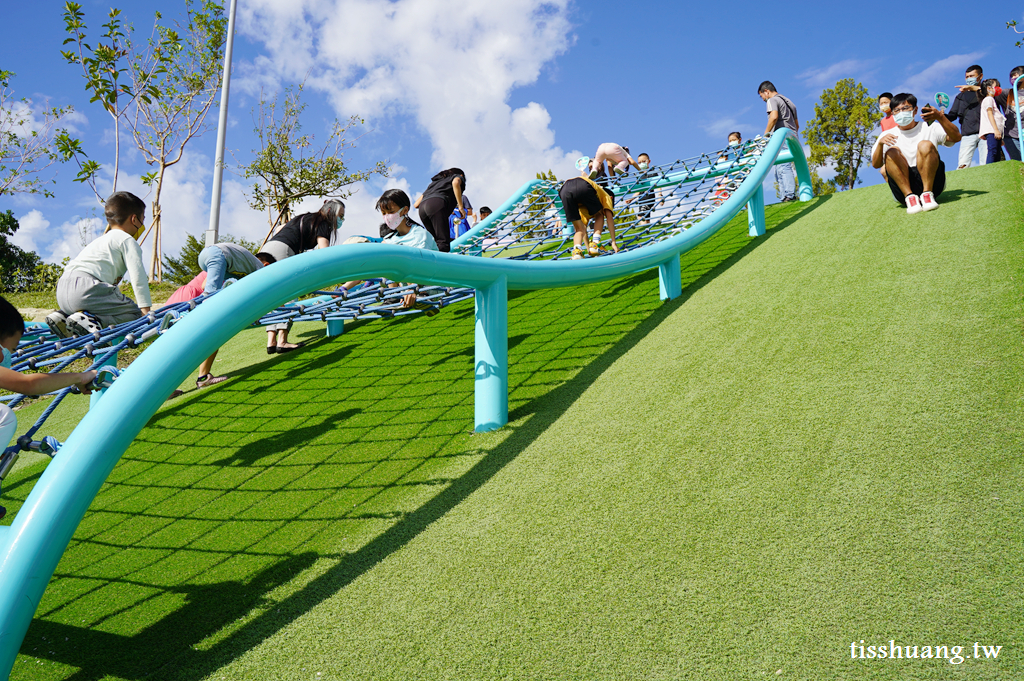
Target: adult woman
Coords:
[[306, 232], [442, 196]]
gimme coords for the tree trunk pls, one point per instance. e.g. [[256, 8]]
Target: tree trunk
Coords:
[[157, 266]]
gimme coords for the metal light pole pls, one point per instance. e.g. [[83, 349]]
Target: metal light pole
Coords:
[[222, 128]]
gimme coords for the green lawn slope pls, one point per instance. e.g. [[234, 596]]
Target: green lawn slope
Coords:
[[817, 444]]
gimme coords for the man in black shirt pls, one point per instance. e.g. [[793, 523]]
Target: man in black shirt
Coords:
[[967, 107], [1011, 137]]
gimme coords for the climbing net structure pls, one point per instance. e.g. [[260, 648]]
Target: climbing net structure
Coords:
[[650, 207]]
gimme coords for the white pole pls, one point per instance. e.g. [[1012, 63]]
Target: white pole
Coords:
[[222, 128]]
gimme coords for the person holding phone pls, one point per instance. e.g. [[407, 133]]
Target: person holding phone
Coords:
[[910, 154]]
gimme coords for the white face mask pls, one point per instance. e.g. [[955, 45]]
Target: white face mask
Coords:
[[8, 358], [643, 165], [393, 220], [903, 118], [733, 143]]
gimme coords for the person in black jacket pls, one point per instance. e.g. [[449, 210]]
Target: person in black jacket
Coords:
[[438, 201], [1006, 101], [967, 107], [306, 232]]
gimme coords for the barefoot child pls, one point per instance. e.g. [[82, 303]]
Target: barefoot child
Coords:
[[12, 327]]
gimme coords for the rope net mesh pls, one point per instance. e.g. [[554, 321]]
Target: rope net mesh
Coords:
[[650, 207]]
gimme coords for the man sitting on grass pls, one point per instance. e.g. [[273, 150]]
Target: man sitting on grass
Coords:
[[909, 153]]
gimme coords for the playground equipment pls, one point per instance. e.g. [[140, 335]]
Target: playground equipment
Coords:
[[523, 245]]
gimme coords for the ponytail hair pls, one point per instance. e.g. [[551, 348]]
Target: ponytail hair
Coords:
[[451, 172]]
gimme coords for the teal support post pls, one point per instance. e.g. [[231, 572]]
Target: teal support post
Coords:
[[491, 360], [97, 394], [335, 327], [670, 279], [755, 212]]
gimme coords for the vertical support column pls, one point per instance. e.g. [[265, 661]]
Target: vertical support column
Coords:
[[335, 327], [109, 361], [670, 279], [755, 213], [491, 360]]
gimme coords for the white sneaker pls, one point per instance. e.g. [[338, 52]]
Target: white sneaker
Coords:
[[913, 204], [58, 324], [928, 201], [84, 324]]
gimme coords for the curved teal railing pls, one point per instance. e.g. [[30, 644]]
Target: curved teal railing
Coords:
[[32, 546]]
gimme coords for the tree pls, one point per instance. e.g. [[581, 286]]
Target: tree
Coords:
[[16, 266], [1013, 25], [105, 73], [540, 204], [28, 146], [840, 132], [819, 186], [184, 66], [288, 167], [185, 267]]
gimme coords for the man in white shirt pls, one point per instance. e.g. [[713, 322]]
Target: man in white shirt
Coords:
[[910, 153]]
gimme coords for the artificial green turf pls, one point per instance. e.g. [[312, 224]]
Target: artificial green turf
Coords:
[[816, 444]]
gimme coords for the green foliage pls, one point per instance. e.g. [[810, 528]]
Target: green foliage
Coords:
[[185, 267], [109, 78], [288, 167], [29, 146], [820, 186], [1013, 25], [840, 132], [47, 274], [183, 63], [16, 266]]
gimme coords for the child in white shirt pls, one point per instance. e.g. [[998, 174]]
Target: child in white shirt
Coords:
[[87, 292], [992, 119]]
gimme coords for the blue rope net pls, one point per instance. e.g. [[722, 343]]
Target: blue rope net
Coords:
[[653, 206]]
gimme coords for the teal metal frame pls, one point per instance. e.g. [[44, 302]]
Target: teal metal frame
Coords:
[[32, 546]]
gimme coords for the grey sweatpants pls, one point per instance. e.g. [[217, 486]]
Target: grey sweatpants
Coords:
[[77, 291]]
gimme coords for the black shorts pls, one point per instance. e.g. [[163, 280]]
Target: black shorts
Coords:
[[578, 192], [916, 186]]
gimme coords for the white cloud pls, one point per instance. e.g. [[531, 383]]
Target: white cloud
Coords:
[[943, 72], [829, 75], [721, 127], [449, 64], [31, 230], [54, 244]]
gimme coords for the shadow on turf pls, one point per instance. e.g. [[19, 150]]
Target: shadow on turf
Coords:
[[953, 195], [321, 454]]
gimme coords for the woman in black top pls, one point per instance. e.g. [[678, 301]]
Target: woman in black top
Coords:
[[442, 196], [305, 232], [308, 231]]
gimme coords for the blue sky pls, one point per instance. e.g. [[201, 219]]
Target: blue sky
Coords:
[[503, 89]]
